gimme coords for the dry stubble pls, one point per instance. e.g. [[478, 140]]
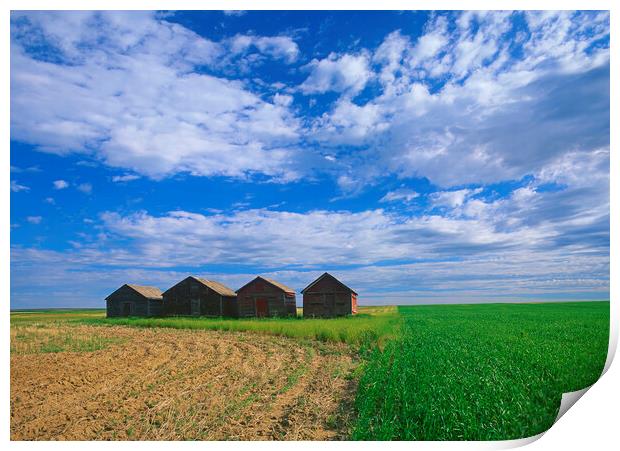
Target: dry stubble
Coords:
[[163, 384]]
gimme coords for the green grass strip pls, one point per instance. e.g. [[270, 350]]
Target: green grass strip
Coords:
[[364, 328]]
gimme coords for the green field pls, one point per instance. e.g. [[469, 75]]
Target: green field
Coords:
[[480, 372], [443, 372]]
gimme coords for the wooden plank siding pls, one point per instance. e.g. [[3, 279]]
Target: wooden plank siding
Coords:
[[127, 302], [260, 297], [328, 297], [192, 297]]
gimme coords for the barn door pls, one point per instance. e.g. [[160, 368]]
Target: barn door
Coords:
[[127, 309], [261, 307], [195, 307], [330, 304]]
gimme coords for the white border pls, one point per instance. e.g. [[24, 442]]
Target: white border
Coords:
[[592, 424]]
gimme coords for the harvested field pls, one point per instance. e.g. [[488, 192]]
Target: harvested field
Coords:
[[38, 337], [164, 384]]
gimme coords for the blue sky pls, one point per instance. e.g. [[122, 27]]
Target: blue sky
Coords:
[[419, 156]]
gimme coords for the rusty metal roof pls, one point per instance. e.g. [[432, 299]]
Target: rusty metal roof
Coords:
[[326, 274], [147, 292]]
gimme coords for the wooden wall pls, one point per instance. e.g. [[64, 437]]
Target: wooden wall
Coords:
[[127, 300], [277, 302], [328, 298], [190, 297]]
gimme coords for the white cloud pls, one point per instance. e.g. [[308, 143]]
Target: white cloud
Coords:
[[234, 12], [428, 46], [468, 227], [321, 236], [471, 128], [240, 43], [86, 188], [402, 194], [477, 46], [60, 184], [349, 123], [17, 169], [571, 169], [16, 187], [278, 47], [125, 178], [523, 194], [348, 183], [346, 73], [389, 55], [282, 99], [454, 94], [452, 199], [136, 105], [34, 219], [431, 43]]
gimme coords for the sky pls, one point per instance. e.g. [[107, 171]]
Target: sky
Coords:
[[420, 157]]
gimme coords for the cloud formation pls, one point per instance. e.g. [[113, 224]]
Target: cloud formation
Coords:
[[16, 187], [346, 73], [455, 107], [137, 103], [60, 184], [125, 178], [470, 224], [278, 47], [455, 93], [400, 194], [86, 188]]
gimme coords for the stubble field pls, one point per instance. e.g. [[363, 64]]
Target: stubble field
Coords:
[[149, 384]]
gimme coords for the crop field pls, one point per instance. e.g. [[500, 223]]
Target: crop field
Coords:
[[148, 384], [444, 372], [480, 372]]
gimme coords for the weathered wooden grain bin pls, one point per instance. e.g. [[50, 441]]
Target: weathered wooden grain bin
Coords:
[[200, 297], [328, 297], [135, 300], [265, 297]]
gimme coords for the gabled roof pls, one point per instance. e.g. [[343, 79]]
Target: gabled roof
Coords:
[[279, 285], [147, 292], [326, 274], [219, 288], [272, 282]]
